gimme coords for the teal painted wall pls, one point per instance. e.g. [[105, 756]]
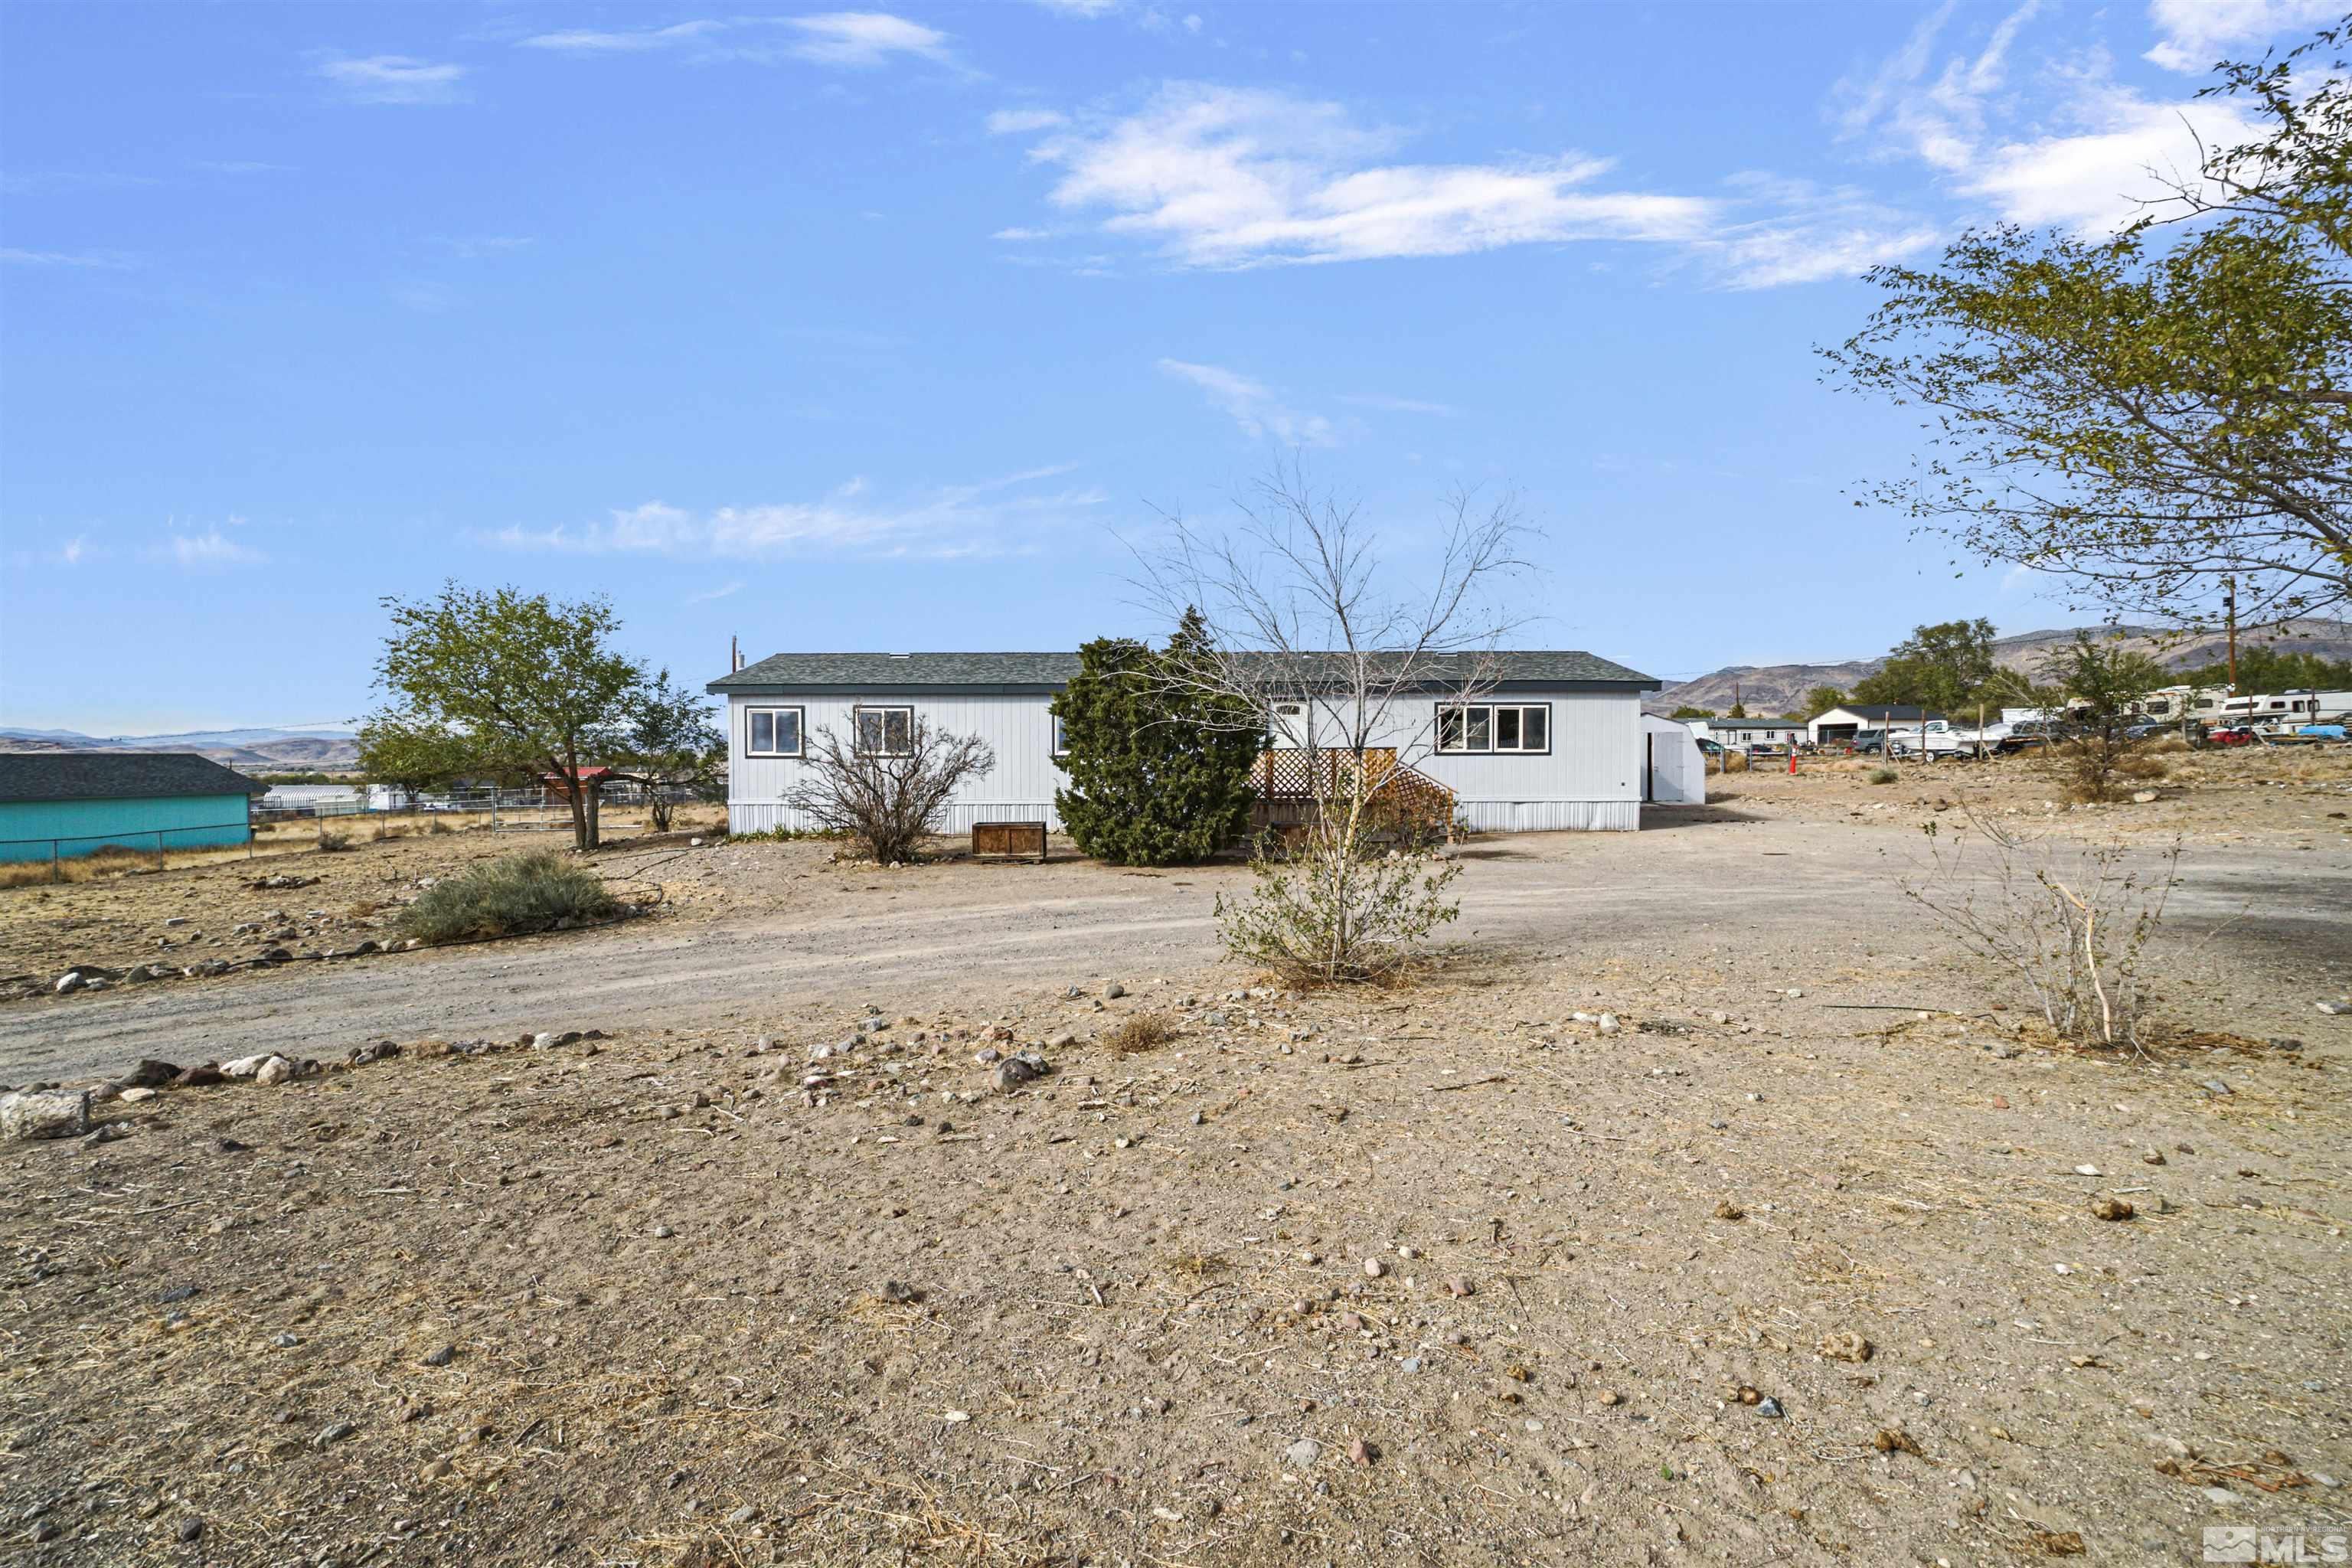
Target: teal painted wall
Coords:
[[86, 827]]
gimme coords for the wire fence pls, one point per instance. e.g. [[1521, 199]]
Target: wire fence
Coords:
[[334, 823]]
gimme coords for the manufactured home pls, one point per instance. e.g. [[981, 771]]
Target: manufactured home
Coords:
[[1841, 725], [1746, 734], [1551, 740], [56, 805]]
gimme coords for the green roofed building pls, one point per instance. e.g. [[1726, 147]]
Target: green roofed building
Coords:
[[61, 805]]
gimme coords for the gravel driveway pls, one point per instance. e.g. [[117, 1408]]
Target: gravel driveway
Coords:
[[1813, 893]]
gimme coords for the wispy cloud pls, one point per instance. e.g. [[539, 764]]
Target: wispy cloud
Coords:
[[1021, 122], [1252, 406], [2071, 147], [97, 260], [996, 518], [854, 39], [1088, 9], [210, 550], [727, 592], [1402, 405], [1023, 234], [862, 38], [239, 167], [396, 79], [23, 181], [1779, 232], [587, 41], [475, 247], [1220, 176], [2197, 33]]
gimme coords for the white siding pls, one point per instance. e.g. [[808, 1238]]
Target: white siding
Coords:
[[1590, 779], [1677, 772]]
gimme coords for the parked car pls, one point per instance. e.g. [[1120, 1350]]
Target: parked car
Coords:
[[2147, 730], [2028, 733], [2230, 735]]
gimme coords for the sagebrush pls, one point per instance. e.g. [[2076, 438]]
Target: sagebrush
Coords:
[[1336, 909], [526, 892]]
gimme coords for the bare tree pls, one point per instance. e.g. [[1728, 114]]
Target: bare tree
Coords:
[[886, 783], [1308, 645]]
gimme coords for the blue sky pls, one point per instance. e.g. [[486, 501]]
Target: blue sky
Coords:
[[877, 330]]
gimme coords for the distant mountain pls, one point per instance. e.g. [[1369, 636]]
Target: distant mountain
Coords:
[[268, 751], [1777, 688]]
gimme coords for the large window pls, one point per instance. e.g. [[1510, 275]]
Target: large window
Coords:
[[1518, 727], [772, 733], [885, 731]]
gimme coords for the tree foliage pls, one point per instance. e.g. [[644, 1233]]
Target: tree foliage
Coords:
[[672, 741], [1687, 711], [2158, 413], [1944, 667], [1819, 700], [2262, 667], [2100, 681], [520, 678], [1159, 768]]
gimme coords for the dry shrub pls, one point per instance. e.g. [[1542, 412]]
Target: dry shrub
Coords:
[[2072, 920], [2169, 746], [1735, 762], [1139, 1032], [524, 892], [1881, 775], [2098, 767], [333, 840]]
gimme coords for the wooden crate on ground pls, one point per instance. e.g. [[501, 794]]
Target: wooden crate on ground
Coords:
[[1009, 838]]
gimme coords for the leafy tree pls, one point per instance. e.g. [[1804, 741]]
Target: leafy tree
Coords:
[[1159, 766], [1739, 711], [672, 741], [2100, 682], [1687, 711], [1943, 667], [2163, 415], [1821, 700], [520, 676], [417, 756]]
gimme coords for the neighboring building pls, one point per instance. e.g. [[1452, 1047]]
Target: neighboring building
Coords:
[[1556, 742], [1740, 734], [554, 789], [1677, 773], [2174, 702], [312, 800], [1841, 723], [65, 804]]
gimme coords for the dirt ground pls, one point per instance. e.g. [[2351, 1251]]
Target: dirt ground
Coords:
[[648, 1298]]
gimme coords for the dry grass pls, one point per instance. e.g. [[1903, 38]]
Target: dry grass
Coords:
[[1883, 775], [1142, 1032]]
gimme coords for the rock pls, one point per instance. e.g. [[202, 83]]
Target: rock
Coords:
[[2143, 798], [1727, 1209], [1359, 1451], [1457, 1286], [244, 1067], [1769, 1408], [44, 1113], [72, 979], [2336, 1009], [334, 1434], [274, 1072], [1845, 1346], [662, 1233], [899, 1291], [2153, 1157], [2215, 1086], [2111, 1208], [1066, 1040], [191, 1530], [134, 1096], [1302, 1455], [442, 1357], [1374, 1269], [1011, 1073], [1608, 1023], [1217, 1020], [1073, 993], [149, 1074]]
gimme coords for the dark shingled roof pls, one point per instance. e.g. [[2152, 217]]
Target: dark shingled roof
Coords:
[[1051, 671], [116, 775]]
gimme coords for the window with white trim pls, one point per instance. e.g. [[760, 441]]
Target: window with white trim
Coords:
[[885, 731], [1521, 728], [1061, 737], [771, 732]]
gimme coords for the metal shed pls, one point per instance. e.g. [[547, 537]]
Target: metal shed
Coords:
[[60, 804]]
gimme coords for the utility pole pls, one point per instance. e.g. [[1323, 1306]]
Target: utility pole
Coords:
[[2229, 588]]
